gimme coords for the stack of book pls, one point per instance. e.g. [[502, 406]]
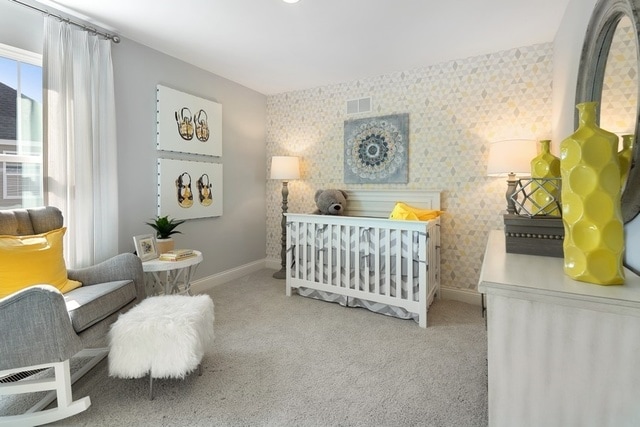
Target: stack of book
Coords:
[[177, 255]]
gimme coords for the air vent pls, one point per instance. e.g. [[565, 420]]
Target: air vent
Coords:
[[362, 105]]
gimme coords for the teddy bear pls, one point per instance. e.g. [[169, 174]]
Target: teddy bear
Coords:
[[330, 202]]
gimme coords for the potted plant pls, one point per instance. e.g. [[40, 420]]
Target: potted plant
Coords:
[[165, 227]]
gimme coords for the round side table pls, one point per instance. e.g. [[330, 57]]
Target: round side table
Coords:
[[167, 276]]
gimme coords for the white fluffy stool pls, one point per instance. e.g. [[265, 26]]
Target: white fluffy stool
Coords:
[[163, 336]]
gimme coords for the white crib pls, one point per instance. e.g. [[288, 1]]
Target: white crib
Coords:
[[388, 266]]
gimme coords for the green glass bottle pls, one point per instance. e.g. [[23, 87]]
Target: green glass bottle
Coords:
[[546, 195], [593, 232]]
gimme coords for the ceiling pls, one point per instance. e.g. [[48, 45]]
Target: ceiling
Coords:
[[272, 46]]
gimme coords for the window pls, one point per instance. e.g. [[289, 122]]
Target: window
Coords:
[[21, 171]]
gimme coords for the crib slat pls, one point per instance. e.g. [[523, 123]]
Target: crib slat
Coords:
[[329, 253], [295, 249], [287, 262], [365, 260], [319, 258], [387, 262], [338, 252], [376, 260], [410, 248], [398, 252], [423, 290], [356, 259], [344, 250], [352, 249], [317, 253], [305, 253], [347, 264]]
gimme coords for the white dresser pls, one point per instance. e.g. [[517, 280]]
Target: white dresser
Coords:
[[560, 352]]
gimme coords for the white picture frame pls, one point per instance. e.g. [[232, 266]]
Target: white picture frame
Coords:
[[187, 123], [146, 247], [189, 189]]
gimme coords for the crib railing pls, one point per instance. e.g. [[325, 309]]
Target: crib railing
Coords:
[[379, 260]]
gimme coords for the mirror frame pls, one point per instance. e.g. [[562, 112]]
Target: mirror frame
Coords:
[[595, 51]]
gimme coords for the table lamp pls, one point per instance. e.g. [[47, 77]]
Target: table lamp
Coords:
[[511, 158], [284, 168]]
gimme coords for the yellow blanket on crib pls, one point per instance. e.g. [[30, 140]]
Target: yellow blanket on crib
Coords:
[[406, 212]]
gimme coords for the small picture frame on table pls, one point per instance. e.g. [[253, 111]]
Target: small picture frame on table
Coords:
[[146, 246]]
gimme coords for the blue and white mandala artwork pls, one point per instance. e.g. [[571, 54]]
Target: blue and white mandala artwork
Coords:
[[375, 149]]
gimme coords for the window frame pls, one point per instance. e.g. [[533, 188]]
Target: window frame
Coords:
[[35, 59]]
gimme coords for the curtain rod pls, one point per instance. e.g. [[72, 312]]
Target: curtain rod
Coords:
[[113, 37]]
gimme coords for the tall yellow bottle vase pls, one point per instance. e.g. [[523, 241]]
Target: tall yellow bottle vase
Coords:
[[593, 231], [624, 156], [546, 194]]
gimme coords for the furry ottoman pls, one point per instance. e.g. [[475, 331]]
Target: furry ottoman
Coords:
[[163, 336]]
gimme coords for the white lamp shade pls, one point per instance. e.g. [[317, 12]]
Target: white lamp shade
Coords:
[[511, 157], [285, 167]]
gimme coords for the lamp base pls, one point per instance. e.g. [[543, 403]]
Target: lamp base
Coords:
[[281, 274]]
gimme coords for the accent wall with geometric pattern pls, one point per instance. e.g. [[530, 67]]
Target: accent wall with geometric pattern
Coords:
[[455, 110]]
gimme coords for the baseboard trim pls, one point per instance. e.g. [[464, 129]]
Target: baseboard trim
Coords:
[[206, 283], [463, 295], [273, 263]]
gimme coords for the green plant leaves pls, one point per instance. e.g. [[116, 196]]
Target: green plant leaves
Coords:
[[165, 227]]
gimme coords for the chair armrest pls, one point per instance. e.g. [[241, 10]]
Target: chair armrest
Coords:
[[125, 266], [36, 328]]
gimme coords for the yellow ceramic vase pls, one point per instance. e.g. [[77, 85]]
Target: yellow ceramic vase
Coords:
[[593, 231], [624, 156], [546, 194]]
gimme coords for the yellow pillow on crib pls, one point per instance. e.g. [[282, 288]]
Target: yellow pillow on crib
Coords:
[[33, 260], [409, 213]]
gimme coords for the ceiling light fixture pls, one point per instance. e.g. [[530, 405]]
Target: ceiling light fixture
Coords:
[[291, 1]]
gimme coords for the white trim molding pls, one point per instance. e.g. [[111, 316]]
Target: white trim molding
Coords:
[[20, 55], [463, 295], [206, 283]]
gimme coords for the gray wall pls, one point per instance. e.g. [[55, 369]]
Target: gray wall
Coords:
[[566, 61], [239, 235], [236, 238], [20, 27]]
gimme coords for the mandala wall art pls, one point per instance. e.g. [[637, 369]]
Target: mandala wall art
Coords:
[[375, 150], [187, 123]]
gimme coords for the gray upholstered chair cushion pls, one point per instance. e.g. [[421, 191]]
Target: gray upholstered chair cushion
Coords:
[[23, 222], [8, 223], [89, 305], [45, 219]]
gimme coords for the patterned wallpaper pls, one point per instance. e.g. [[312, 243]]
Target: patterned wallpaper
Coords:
[[455, 110]]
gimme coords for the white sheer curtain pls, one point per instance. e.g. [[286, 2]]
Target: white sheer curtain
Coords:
[[81, 140]]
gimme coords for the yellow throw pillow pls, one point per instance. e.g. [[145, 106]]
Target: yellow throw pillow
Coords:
[[33, 260], [409, 213]]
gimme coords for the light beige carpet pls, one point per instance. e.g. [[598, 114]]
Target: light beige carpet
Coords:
[[280, 361]]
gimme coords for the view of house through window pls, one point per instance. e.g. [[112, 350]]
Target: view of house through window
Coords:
[[21, 172]]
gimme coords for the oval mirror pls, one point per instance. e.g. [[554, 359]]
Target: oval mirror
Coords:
[[608, 74], [619, 100]]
